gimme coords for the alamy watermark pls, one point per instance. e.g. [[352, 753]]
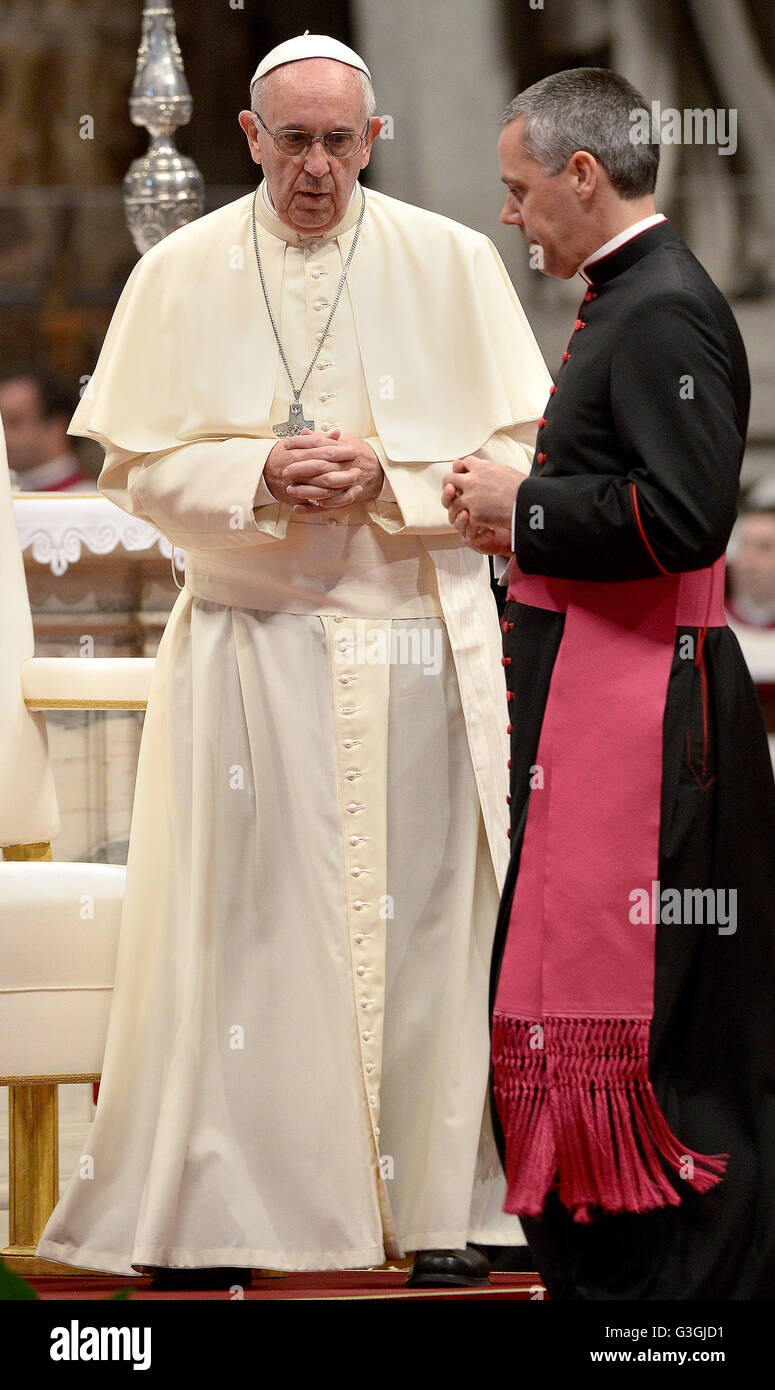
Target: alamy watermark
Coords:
[[666, 125], [403, 646], [715, 907]]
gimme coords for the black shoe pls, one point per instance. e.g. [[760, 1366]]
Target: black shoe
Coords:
[[460, 1268], [166, 1277]]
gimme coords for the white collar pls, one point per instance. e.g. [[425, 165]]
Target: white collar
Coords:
[[48, 474], [619, 240], [756, 614]]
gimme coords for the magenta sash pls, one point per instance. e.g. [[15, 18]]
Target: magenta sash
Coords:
[[575, 996]]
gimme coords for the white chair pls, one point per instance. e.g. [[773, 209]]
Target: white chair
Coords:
[[59, 923]]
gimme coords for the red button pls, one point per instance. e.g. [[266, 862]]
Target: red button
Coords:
[[579, 324], [542, 422], [508, 800], [589, 296], [552, 389], [505, 661], [566, 356], [508, 764], [509, 695], [508, 834], [541, 458], [509, 727]]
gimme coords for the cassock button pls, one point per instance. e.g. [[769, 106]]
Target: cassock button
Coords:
[[566, 356], [508, 764], [509, 695], [505, 661], [552, 389], [541, 458], [579, 324], [508, 834], [508, 800], [509, 728], [542, 422]]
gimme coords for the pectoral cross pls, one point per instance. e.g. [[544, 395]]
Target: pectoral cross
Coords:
[[296, 422]]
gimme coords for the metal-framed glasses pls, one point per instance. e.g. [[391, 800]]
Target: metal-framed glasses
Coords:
[[340, 144]]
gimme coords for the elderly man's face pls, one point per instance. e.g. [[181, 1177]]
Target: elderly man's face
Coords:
[[310, 192]]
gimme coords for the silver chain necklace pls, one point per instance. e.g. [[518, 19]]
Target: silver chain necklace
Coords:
[[296, 422]]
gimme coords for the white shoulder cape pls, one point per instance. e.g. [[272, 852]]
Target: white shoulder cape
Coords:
[[448, 354]]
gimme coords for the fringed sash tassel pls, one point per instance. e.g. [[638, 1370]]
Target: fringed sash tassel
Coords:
[[579, 1114]]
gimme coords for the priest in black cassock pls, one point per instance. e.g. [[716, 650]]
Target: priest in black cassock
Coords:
[[633, 978]]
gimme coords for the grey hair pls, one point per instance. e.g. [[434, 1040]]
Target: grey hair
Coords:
[[258, 93], [587, 109]]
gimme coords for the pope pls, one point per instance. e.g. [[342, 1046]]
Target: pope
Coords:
[[296, 1066]]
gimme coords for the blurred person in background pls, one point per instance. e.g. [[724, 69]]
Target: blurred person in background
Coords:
[[751, 599], [750, 602], [36, 407]]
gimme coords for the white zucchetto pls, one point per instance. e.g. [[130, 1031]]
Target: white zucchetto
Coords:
[[308, 46]]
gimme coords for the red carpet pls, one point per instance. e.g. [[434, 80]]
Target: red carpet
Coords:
[[345, 1284]]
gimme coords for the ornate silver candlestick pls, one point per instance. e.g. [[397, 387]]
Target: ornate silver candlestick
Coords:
[[163, 189]]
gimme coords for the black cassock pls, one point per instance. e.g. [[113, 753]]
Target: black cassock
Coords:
[[655, 391]]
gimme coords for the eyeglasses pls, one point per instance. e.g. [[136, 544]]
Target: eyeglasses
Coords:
[[340, 144]]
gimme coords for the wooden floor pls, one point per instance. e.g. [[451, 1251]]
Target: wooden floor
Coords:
[[345, 1285]]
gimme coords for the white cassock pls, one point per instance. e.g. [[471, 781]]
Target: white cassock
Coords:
[[296, 1066]]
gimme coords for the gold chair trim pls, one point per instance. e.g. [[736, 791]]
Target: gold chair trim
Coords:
[[85, 704], [63, 1079]]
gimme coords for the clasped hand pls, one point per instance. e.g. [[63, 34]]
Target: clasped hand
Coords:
[[320, 470], [479, 496]]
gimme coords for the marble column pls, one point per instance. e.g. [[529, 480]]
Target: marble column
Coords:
[[440, 75]]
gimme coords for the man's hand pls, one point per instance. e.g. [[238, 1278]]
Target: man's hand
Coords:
[[479, 496], [319, 470]]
